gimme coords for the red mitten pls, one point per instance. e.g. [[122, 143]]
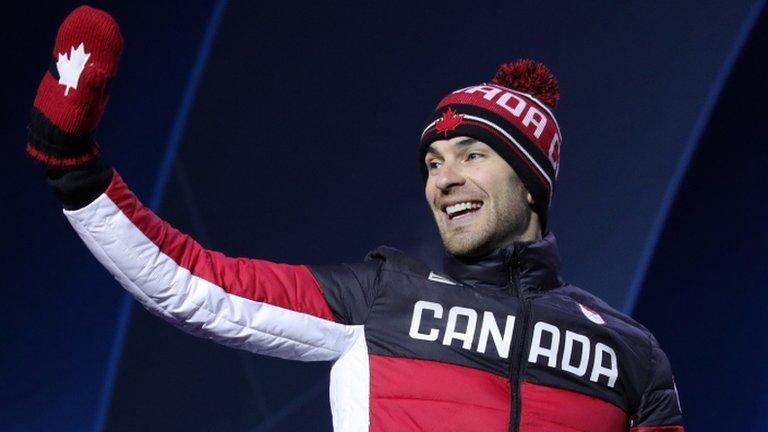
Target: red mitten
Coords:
[[74, 90]]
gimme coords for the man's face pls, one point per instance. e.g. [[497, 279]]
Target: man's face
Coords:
[[478, 201]]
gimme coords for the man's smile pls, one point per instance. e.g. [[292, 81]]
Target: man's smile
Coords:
[[459, 209], [460, 212]]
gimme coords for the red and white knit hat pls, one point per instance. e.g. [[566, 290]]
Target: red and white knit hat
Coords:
[[512, 114]]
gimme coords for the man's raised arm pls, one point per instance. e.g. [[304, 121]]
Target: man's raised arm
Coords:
[[256, 305]]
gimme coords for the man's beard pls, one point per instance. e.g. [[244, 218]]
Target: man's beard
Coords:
[[499, 228]]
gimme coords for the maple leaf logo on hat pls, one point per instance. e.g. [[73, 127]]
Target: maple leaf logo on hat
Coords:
[[448, 122]]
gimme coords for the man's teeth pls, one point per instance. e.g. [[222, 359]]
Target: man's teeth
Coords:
[[453, 209]]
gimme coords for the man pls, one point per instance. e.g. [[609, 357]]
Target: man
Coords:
[[498, 342]]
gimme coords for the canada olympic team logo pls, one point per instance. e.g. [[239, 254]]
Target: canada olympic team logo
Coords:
[[591, 315]]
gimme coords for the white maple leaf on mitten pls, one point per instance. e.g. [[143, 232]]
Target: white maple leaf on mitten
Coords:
[[71, 68]]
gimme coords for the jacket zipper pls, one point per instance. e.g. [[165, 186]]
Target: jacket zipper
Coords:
[[516, 364]]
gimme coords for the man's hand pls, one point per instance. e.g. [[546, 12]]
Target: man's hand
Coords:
[[72, 95]]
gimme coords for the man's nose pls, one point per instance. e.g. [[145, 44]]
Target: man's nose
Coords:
[[449, 177]]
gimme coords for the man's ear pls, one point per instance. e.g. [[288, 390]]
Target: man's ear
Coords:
[[530, 198]]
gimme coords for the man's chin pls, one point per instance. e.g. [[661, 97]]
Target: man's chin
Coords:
[[465, 246]]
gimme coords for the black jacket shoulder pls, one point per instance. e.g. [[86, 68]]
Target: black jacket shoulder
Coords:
[[398, 261]]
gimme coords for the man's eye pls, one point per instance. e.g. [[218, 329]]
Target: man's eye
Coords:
[[432, 165], [474, 156]]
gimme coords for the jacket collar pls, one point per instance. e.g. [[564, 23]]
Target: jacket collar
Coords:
[[537, 264]]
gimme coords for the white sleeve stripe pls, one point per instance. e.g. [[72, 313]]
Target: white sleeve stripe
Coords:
[[350, 388], [197, 305]]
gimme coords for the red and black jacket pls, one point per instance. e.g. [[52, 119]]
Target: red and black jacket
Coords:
[[499, 343]]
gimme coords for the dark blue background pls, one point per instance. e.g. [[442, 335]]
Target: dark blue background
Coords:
[[288, 131]]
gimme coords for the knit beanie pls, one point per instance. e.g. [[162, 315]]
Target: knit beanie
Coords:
[[512, 114]]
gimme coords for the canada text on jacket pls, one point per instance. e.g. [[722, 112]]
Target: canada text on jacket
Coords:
[[557, 347]]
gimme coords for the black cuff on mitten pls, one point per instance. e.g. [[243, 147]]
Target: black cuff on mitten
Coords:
[[78, 187], [51, 146], [49, 139]]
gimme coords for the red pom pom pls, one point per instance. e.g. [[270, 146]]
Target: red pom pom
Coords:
[[529, 77]]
